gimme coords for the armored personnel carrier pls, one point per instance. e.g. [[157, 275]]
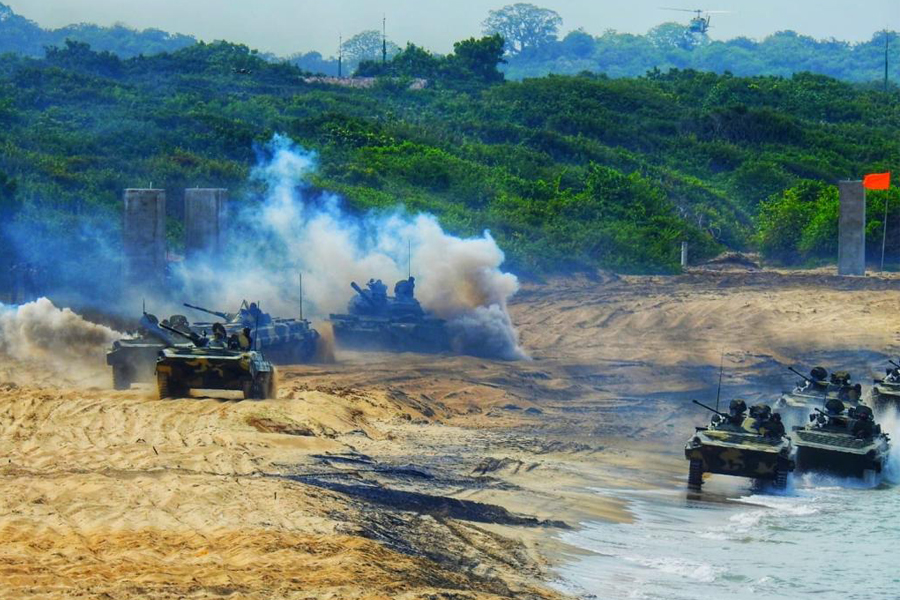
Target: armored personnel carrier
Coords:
[[376, 321], [886, 391], [842, 441], [284, 341], [814, 390], [133, 358], [211, 365], [753, 446]]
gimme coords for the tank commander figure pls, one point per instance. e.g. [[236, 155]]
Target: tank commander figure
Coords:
[[405, 289], [245, 341], [773, 427], [863, 427], [220, 336], [378, 289], [736, 412]]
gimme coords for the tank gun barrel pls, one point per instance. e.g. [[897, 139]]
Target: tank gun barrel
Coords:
[[221, 315], [197, 340], [362, 293], [893, 363], [801, 375], [709, 408]]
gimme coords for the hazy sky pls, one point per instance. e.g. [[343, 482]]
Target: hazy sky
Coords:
[[287, 26]]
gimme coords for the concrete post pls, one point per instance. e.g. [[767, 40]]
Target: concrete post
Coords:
[[144, 237], [852, 229], [204, 220], [684, 254]]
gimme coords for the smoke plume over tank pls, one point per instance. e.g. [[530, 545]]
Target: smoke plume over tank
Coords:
[[295, 230]]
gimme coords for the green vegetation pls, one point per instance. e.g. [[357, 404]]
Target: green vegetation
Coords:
[[567, 172]]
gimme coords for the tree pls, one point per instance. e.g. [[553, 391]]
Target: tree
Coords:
[[366, 45], [478, 59], [523, 26], [667, 36]]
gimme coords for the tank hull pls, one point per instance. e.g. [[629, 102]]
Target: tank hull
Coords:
[[885, 395], [133, 362], [838, 454], [427, 335], [740, 455], [180, 370]]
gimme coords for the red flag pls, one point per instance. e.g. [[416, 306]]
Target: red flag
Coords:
[[877, 181]]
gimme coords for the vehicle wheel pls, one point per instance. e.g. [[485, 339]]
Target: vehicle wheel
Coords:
[[695, 474], [121, 377], [271, 387], [781, 479], [259, 387], [162, 386], [167, 390]]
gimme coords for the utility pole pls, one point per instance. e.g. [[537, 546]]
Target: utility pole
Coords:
[[340, 55], [384, 39], [886, 60]]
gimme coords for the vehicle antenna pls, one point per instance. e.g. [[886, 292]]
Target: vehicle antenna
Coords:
[[301, 294], [408, 258], [256, 333], [719, 389]]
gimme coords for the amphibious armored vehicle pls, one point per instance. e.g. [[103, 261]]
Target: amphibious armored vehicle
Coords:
[[753, 446], [211, 365], [133, 359], [814, 390], [886, 391], [376, 321], [284, 341], [842, 441]]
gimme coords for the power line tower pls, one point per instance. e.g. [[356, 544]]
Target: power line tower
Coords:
[[384, 39]]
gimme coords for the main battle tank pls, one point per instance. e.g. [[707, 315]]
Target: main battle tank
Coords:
[[753, 446], [133, 358], [211, 365], [814, 390], [285, 341], [886, 391], [376, 321], [842, 441]]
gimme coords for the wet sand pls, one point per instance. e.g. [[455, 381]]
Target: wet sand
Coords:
[[405, 476]]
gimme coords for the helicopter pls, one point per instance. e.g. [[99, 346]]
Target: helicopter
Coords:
[[699, 25]]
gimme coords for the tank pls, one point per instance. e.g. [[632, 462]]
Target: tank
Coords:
[[133, 358], [814, 390], [284, 341], [210, 365], [739, 444], [377, 321], [841, 440], [886, 391]]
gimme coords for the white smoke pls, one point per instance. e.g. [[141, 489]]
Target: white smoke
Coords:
[[295, 231], [58, 339]]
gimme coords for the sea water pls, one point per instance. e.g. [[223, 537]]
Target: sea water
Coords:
[[824, 538]]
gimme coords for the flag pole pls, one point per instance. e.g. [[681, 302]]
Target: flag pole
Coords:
[[884, 232]]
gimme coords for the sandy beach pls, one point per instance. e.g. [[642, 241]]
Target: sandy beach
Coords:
[[404, 476]]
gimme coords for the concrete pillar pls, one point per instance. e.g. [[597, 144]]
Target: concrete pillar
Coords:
[[204, 220], [144, 237], [852, 229], [684, 254]]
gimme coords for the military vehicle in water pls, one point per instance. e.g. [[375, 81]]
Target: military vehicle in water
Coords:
[[753, 446], [376, 321], [284, 341], [886, 391], [212, 365], [842, 441], [133, 359], [814, 390]]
